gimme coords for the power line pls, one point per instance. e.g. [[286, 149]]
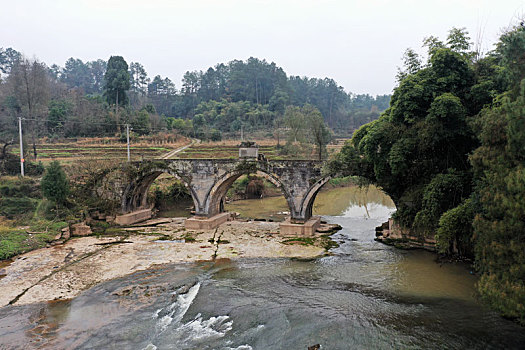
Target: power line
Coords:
[[98, 123]]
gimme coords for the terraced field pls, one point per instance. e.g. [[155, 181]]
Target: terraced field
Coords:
[[72, 150]]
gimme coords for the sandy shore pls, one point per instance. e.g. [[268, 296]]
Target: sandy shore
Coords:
[[64, 271]]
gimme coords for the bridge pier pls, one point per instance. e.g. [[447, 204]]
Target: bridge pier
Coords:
[[207, 223], [307, 228], [209, 180]]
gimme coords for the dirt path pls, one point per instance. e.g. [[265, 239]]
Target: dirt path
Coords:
[[170, 154]]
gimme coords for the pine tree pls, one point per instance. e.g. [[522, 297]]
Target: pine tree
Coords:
[[55, 185]]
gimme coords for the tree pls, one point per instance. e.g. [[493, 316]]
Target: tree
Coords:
[[318, 132], [8, 58], [8, 124], [418, 148], [29, 84], [458, 40], [141, 122], [97, 71], [295, 122], [54, 184], [116, 84], [139, 78], [116, 81], [411, 64], [432, 44], [59, 111], [76, 74], [499, 166]]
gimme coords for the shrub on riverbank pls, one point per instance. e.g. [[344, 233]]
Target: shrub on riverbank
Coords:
[[25, 220]]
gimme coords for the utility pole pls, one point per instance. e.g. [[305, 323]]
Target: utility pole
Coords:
[[127, 134], [21, 146], [242, 134]]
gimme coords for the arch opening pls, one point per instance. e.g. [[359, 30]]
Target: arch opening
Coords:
[[250, 187], [170, 197], [140, 195]]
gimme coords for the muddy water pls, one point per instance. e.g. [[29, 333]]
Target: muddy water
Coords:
[[335, 202], [365, 296]]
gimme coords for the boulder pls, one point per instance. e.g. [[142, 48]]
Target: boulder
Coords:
[[66, 233], [81, 229]]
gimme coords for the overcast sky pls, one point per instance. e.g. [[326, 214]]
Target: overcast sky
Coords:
[[359, 43]]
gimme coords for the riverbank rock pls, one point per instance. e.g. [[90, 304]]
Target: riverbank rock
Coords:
[[81, 229], [391, 233], [328, 228], [66, 233]]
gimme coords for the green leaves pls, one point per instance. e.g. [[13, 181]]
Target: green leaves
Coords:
[[116, 81], [54, 184]]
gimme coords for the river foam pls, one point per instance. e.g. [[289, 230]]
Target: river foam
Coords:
[[169, 323]]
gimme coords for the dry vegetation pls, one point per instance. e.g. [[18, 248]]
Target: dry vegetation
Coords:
[[69, 151]]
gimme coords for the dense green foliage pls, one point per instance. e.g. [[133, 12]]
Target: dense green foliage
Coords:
[[55, 185], [450, 151], [116, 81], [500, 224], [417, 151]]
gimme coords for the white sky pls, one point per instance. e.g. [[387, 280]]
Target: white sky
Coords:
[[357, 43]]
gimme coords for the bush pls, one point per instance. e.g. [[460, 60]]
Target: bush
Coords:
[[34, 169], [55, 185], [454, 233], [444, 192]]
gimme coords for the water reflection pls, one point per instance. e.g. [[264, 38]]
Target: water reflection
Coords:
[[346, 201]]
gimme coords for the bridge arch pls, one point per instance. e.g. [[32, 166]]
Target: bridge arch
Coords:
[[208, 180], [216, 195], [135, 195], [308, 201]]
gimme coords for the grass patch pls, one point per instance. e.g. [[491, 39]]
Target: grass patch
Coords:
[[188, 238], [18, 240], [115, 231], [327, 243], [300, 240]]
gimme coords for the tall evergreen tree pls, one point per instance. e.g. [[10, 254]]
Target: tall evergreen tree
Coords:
[[116, 81]]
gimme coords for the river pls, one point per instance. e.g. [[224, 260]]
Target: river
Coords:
[[366, 295]]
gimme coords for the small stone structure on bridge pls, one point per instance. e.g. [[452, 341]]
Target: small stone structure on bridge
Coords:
[[209, 179]]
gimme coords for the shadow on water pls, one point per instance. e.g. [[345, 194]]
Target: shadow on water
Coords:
[[365, 296]]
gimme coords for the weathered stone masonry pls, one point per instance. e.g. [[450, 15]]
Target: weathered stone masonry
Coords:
[[210, 179]]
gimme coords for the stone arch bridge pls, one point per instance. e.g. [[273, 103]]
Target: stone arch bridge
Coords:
[[209, 179]]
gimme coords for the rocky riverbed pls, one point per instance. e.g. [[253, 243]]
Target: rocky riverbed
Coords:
[[64, 271]]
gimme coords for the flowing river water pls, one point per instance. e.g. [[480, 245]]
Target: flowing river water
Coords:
[[364, 296]]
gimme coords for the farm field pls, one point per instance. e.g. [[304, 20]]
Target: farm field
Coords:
[[69, 151], [229, 149]]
